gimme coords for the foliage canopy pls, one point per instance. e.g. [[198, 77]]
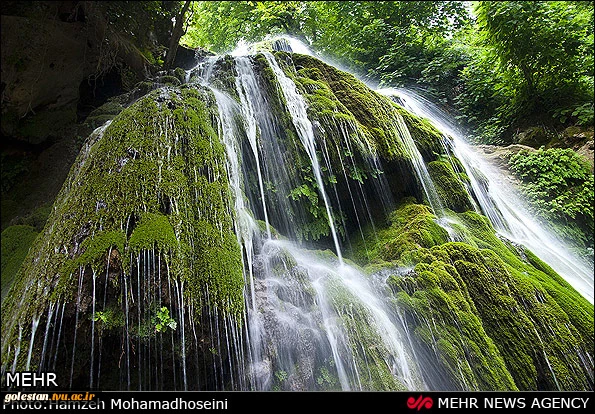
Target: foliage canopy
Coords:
[[498, 64]]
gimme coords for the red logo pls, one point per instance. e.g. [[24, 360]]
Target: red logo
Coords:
[[420, 402]]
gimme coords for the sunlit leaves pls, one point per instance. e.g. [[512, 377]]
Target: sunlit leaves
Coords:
[[559, 183]]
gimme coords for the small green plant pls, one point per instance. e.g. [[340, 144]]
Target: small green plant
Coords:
[[101, 317], [164, 321], [326, 379], [582, 113], [281, 375], [108, 319]]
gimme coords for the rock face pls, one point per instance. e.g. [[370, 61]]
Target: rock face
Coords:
[[500, 156], [152, 271], [187, 58], [578, 138], [34, 65]]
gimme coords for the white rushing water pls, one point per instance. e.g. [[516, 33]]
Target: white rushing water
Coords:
[[308, 315], [297, 109], [506, 210]]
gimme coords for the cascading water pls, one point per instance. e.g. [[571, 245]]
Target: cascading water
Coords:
[[420, 168], [498, 201], [310, 319], [224, 268], [297, 109]]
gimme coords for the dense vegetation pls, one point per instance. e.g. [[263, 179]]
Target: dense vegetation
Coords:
[[559, 184], [501, 65]]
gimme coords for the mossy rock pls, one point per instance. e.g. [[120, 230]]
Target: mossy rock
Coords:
[[153, 231], [498, 315], [180, 74], [109, 108], [15, 244], [534, 136], [409, 231], [450, 186], [169, 80], [148, 195], [374, 113]]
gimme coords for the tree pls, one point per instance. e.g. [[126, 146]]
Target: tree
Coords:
[[176, 35], [219, 25], [542, 48]]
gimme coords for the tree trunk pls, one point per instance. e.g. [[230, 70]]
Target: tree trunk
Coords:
[[176, 35]]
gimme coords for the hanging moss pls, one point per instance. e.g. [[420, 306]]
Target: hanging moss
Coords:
[[410, 230], [348, 98], [153, 231], [427, 138], [440, 308], [151, 190], [96, 249], [153, 181]]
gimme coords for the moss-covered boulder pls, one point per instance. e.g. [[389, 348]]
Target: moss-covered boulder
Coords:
[[143, 222], [492, 315]]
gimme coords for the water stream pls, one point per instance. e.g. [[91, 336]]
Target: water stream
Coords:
[[500, 202]]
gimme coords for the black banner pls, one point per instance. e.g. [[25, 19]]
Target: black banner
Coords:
[[233, 401]]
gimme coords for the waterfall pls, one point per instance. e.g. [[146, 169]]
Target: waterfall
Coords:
[[247, 88], [297, 108], [419, 166], [274, 233], [502, 204], [305, 313]]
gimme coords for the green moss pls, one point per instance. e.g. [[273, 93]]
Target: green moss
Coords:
[[410, 229], [426, 137], [153, 231], [219, 265], [110, 319], [180, 74], [152, 184], [15, 244], [499, 316], [449, 186], [109, 108], [445, 319], [169, 80], [330, 90], [97, 247]]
